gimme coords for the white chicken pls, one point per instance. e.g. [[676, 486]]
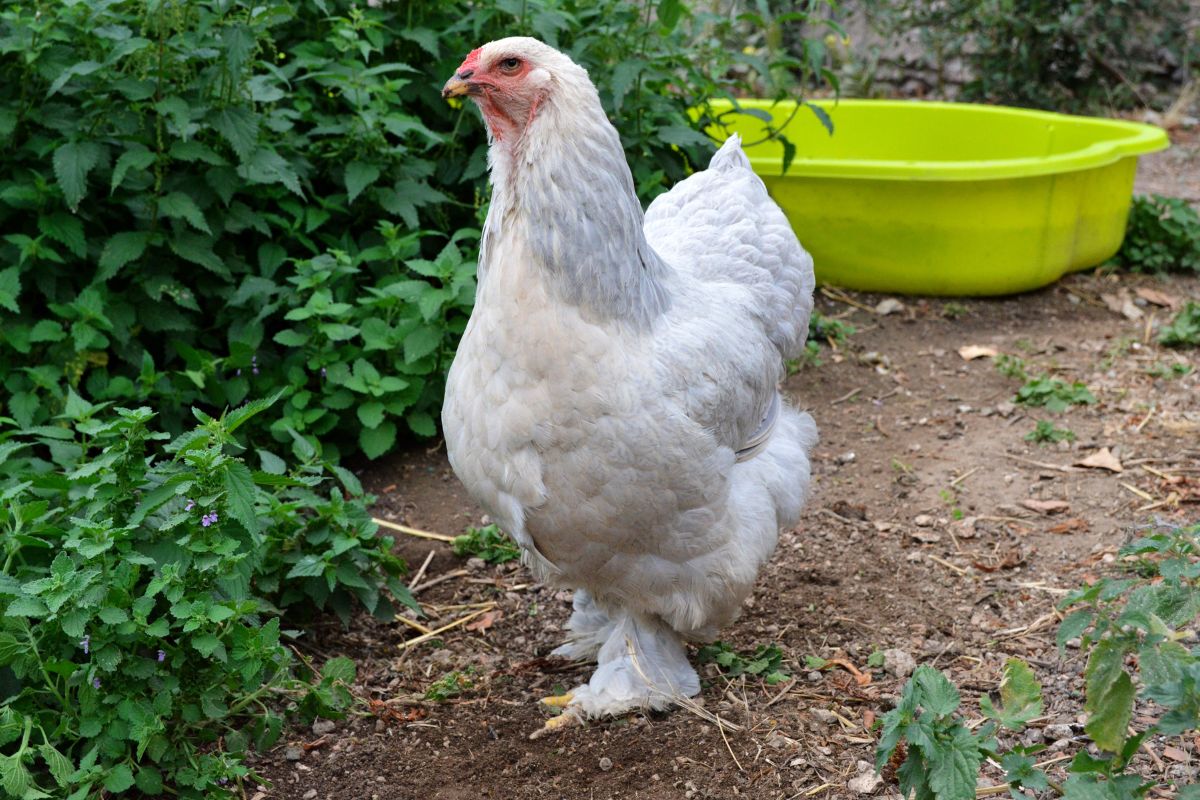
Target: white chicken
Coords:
[[614, 402]]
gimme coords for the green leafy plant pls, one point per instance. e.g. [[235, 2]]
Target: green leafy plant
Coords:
[[452, 684], [1114, 618], [1052, 393], [1162, 235], [834, 332], [489, 543], [1045, 432], [1169, 371], [1184, 329], [1010, 366], [140, 637], [954, 310], [1054, 55], [205, 202], [765, 662]]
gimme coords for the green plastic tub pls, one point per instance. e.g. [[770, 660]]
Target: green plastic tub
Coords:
[[949, 198]]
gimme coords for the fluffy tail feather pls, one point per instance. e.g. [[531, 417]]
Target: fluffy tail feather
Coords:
[[730, 155]]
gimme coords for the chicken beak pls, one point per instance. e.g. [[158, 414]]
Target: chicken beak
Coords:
[[455, 87]]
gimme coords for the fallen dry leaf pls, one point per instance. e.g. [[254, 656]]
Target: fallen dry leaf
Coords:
[[1122, 304], [1003, 560], [486, 621], [1175, 754], [1069, 526], [1102, 459], [970, 352], [1046, 506], [1159, 298]]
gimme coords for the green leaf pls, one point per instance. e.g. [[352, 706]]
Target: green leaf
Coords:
[[120, 250], [15, 779], [1020, 697], [47, 330], [239, 126], [421, 342], [239, 494], [136, 157], [359, 176], [112, 615], [26, 606], [936, 694], [954, 765], [370, 414], [339, 669], [1073, 625], [178, 205], [66, 229], [59, 765], [72, 163], [10, 288], [119, 779], [1110, 694], [377, 441], [421, 423], [271, 463]]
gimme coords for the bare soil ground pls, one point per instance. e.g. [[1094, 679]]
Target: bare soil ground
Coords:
[[934, 529]]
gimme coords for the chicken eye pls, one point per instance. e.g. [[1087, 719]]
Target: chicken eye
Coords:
[[510, 64]]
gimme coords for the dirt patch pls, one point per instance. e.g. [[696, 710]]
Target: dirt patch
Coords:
[[935, 528]]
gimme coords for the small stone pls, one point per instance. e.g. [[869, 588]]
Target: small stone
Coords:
[[605, 764], [889, 305], [922, 520], [865, 783], [320, 727], [293, 753], [1052, 733], [813, 677], [845, 458], [475, 564], [898, 663], [825, 715], [310, 794]]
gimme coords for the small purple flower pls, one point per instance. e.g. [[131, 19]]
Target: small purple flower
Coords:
[[223, 781], [254, 364], [208, 519], [86, 644], [190, 505], [322, 372], [239, 372], [95, 683], [162, 656]]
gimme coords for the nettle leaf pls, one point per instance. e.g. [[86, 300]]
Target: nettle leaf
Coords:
[[371, 414], [119, 779], [1110, 694], [10, 288], [136, 157], [239, 494], [239, 126], [180, 206], [1020, 697], [954, 765], [359, 176], [935, 691], [421, 423], [265, 165], [66, 229], [120, 250], [1073, 625], [72, 163]]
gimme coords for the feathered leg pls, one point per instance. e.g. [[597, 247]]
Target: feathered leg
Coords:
[[642, 664], [589, 627]]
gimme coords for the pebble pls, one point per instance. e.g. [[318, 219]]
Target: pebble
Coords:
[[310, 794], [898, 663], [922, 520], [813, 677], [605, 764], [1052, 733], [293, 753], [320, 727], [865, 783]]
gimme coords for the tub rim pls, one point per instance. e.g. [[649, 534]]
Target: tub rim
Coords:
[[1140, 138]]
